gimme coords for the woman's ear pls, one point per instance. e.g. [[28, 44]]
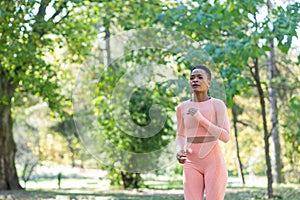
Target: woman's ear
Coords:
[[208, 83]]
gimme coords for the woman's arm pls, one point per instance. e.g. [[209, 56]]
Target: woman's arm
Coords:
[[181, 135], [221, 129]]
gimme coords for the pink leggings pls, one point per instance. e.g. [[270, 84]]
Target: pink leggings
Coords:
[[209, 173]]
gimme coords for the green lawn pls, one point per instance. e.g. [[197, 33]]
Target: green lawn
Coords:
[[153, 190]]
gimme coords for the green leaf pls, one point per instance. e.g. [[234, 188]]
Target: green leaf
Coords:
[[266, 48]]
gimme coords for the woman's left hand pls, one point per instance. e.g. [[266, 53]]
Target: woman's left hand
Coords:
[[181, 156]]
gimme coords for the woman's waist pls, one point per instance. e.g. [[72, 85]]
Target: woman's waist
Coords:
[[196, 151], [201, 139]]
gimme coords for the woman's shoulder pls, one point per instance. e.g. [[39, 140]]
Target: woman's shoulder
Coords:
[[183, 104], [218, 102]]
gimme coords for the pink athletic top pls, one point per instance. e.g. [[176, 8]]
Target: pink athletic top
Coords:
[[215, 122]]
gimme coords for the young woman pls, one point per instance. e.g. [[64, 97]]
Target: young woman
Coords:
[[201, 122]]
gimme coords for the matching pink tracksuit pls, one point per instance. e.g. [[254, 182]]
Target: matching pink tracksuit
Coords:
[[204, 168]]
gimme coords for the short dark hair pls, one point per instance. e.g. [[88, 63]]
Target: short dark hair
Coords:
[[207, 71]]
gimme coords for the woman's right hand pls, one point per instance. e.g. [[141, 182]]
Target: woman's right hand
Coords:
[[181, 156], [196, 114]]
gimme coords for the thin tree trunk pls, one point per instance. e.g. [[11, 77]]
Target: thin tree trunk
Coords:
[[28, 169], [272, 73], [72, 153], [239, 162], [130, 179], [8, 174], [107, 59], [256, 77]]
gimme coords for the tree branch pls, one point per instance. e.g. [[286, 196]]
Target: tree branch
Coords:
[[63, 17], [59, 10], [42, 9], [251, 70], [243, 123]]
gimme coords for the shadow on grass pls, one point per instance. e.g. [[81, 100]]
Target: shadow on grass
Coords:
[[87, 194], [233, 193], [280, 192]]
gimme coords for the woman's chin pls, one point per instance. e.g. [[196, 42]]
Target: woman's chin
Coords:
[[198, 90]]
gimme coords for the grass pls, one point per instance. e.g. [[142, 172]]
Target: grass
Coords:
[[87, 188]]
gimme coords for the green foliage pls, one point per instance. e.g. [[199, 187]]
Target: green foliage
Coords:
[[284, 25], [118, 133], [291, 135], [132, 14], [27, 36], [236, 83]]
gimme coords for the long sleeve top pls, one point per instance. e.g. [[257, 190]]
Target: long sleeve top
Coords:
[[210, 120]]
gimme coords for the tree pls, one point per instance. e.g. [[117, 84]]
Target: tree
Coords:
[[125, 15], [26, 136], [254, 69], [273, 74], [279, 30], [129, 140], [236, 84], [234, 110], [68, 130], [26, 30]]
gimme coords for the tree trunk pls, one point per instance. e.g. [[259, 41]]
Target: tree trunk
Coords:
[[107, 59], [130, 180], [258, 85], [239, 162], [28, 169], [272, 73], [8, 174], [72, 153]]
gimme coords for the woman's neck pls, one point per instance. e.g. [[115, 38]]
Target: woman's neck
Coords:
[[198, 97]]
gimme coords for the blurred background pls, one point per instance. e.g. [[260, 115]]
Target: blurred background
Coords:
[[66, 131]]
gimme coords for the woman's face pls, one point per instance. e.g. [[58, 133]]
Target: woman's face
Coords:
[[199, 81]]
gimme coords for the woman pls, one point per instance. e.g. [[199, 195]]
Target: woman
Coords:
[[201, 122]]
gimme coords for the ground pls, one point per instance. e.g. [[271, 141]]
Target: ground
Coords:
[[91, 184], [233, 193]]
